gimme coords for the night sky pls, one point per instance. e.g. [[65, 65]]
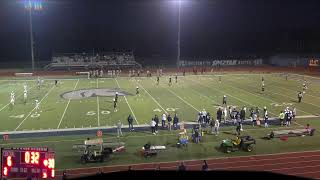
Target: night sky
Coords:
[[149, 27]]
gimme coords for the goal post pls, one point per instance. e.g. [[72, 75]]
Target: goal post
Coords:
[[86, 73]]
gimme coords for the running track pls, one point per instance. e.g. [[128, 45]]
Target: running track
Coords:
[[305, 164]]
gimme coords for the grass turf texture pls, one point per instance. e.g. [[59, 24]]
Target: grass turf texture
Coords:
[[190, 95], [187, 97]]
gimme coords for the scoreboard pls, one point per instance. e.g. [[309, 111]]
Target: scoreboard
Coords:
[[27, 162]]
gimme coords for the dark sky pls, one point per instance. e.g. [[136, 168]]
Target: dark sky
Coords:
[[149, 27]]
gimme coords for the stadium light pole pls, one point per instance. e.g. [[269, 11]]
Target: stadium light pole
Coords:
[[30, 6], [179, 27]]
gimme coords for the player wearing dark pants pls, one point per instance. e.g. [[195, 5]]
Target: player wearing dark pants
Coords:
[[156, 119], [170, 81], [208, 117], [262, 88], [158, 79], [224, 100], [219, 115], [116, 97], [130, 122], [137, 91], [175, 121], [300, 97], [114, 105], [56, 82], [176, 78], [238, 129]]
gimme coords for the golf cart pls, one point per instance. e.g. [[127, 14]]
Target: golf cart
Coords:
[[96, 151], [245, 143]]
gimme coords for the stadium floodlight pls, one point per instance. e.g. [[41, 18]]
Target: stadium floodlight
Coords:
[[32, 5], [179, 28]]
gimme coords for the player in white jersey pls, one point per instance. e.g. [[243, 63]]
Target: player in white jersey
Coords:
[[25, 94], [25, 87], [12, 98], [37, 108]]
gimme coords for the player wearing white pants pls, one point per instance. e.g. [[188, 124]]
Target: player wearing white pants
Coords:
[[12, 98], [37, 106], [25, 96]]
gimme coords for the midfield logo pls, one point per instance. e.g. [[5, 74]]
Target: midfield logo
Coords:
[[86, 93]]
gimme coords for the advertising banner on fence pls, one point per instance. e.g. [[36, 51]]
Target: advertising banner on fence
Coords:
[[230, 62]]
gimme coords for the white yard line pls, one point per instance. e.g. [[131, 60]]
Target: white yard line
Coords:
[[98, 104], [34, 108], [152, 97], [64, 112], [125, 98], [180, 98], [17, 98]]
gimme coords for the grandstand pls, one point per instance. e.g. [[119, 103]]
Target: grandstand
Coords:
[[81, 61]]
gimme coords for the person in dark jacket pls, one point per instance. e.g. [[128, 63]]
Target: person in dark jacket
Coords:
[[175, 121], [156, 119], [219, 115], [208, 117], [182, 167], [169, 118], [130, 122], [205, 166]]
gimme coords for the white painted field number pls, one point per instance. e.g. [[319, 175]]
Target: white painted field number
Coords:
[[18, 116], [92, 113], [35, 115]]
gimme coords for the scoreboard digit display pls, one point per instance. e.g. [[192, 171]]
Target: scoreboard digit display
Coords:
[[27, 162]]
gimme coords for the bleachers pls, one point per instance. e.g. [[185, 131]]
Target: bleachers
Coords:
[[92, 61]]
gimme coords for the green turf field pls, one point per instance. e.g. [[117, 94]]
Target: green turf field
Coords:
[[190, 95], [187, 97]]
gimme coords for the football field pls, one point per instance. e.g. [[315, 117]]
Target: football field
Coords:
[[79, 102]]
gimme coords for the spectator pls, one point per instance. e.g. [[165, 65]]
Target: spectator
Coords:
[[242, 114], [164, 118], [208, 118], [212, 125], [130, 122], [153, 124], [216, 127], [219, 115], [205, 166], [175, 121], [281, 118], [119, 126], [156, 119], [169, 122], [196, 136], [182, 167], [266, 121], [64, 175], [225, 114], [200, 119]]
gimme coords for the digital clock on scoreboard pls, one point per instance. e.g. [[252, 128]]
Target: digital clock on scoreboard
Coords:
[[27, 162]]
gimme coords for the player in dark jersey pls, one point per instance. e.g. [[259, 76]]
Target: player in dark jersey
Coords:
[[55, 82], [262, 79], [300, 95], [114, 105], [176, 78], [170, 82], [158, 79], [219, 79], [116, 97]]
